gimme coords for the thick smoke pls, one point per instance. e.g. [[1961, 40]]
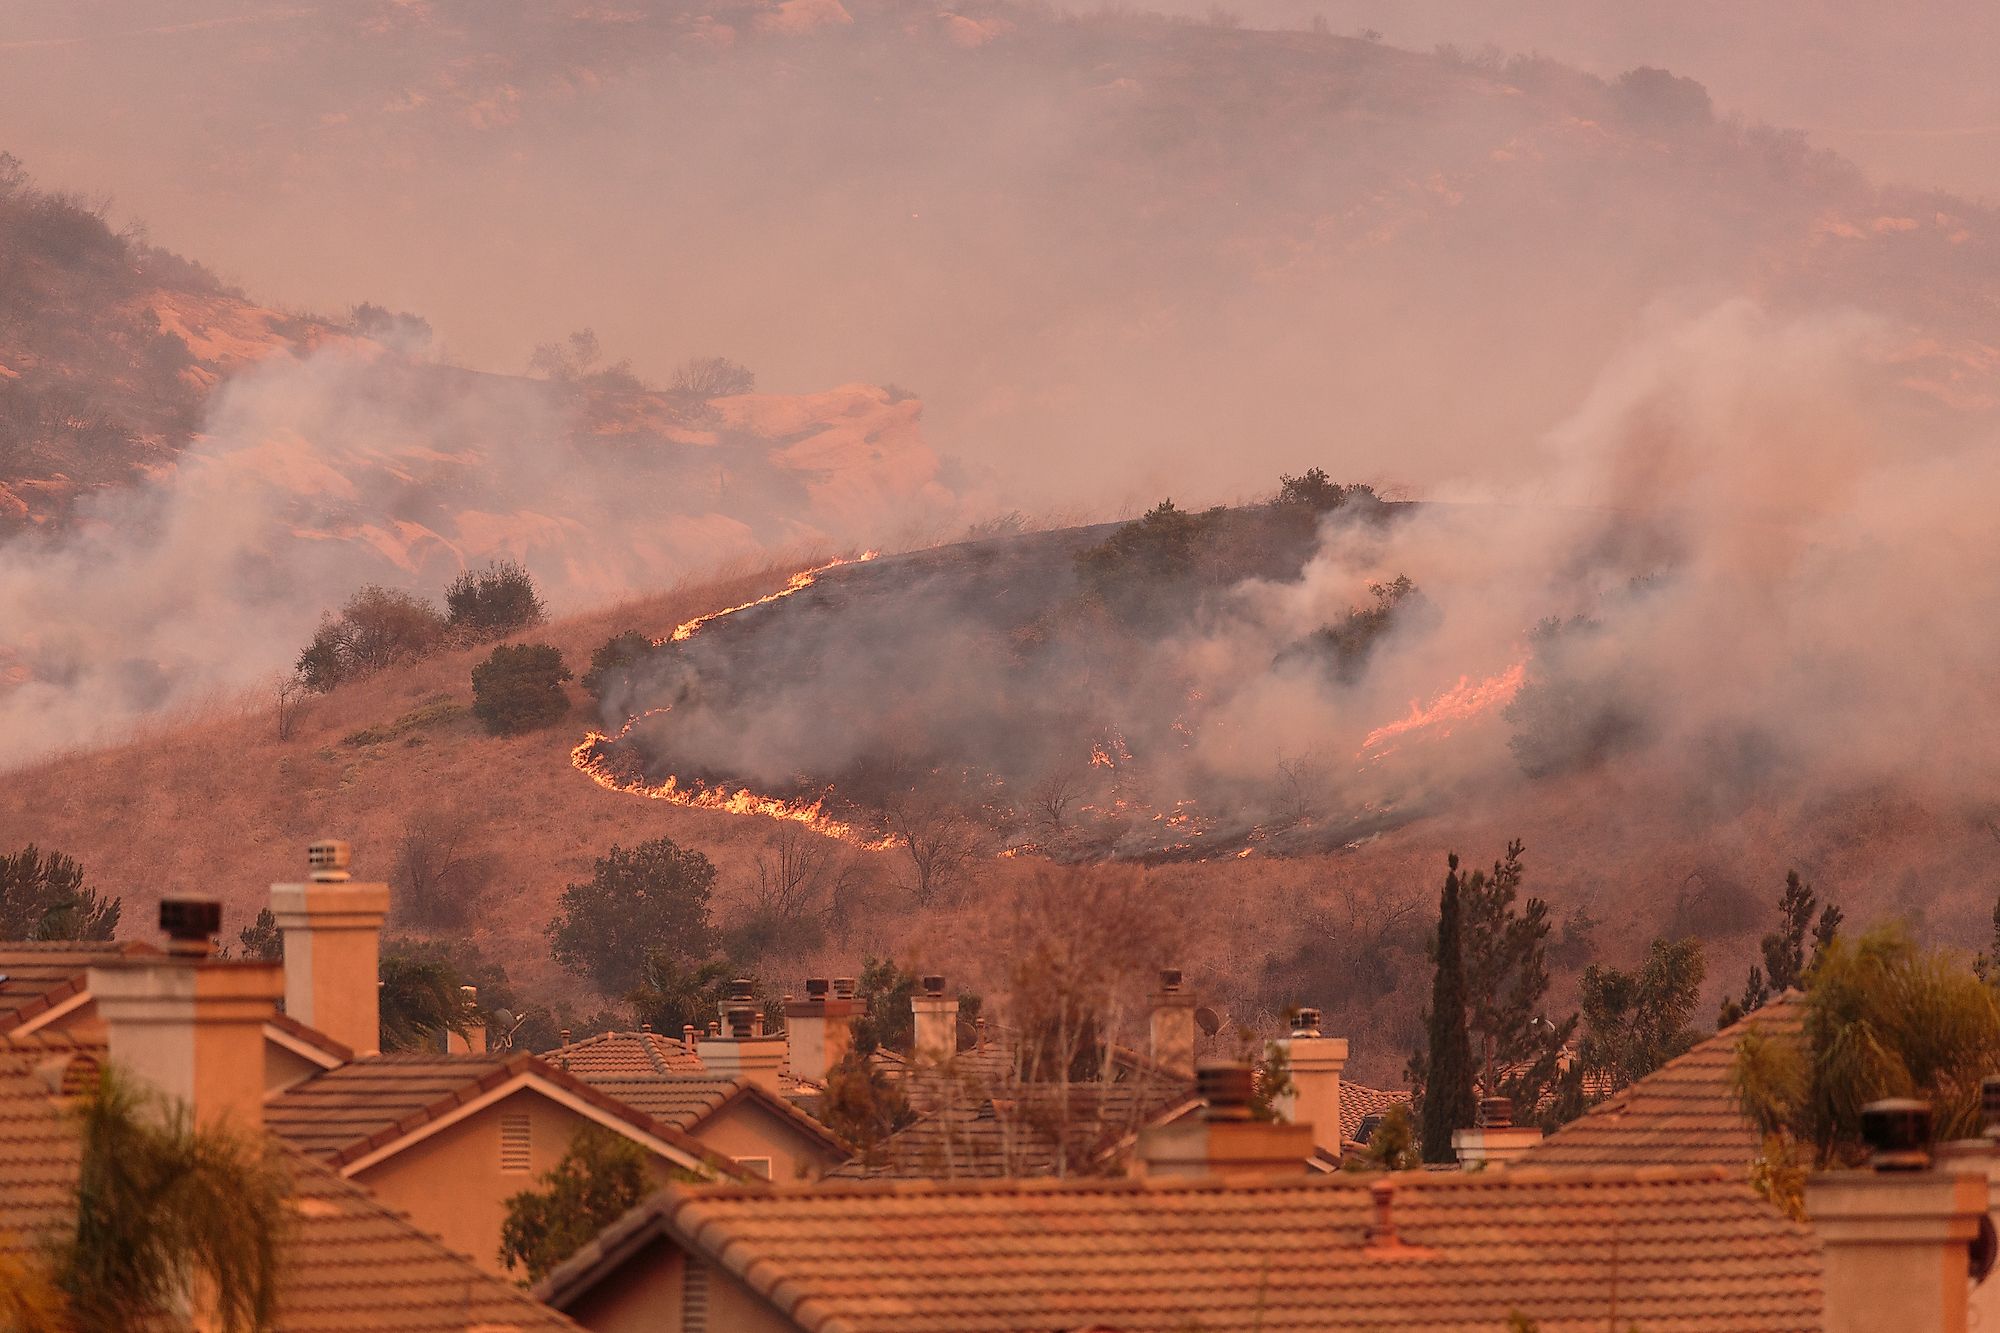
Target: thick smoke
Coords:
[[352, 465], [1117, 256], [1766, 585]]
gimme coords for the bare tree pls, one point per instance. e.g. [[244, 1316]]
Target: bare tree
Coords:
[[1301, 787], [441, 873], [291, 696], [1050, 799], [939, 840], [800, 875]]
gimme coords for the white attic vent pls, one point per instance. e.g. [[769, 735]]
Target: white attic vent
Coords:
[[516, 1144]]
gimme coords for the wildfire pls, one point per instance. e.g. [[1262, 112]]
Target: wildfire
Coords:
[[797, 583], [1466, 700], [588, 757]]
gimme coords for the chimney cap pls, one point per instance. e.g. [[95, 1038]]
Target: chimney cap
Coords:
[[1494, 1113], [1305, 1022], [1170, 979], [934, 984], [327, 861], [1898, 1130], [1225, 1088], [816, 988], [843, 988], [189, 923]]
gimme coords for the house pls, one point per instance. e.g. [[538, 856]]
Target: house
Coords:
[[449, 1139], [195, 1029], [1684, 1113], [1223, 1229], [756, 1129]]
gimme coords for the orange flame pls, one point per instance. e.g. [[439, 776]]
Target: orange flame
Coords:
[[588, 756], [589, 760], [797, 583], [1464, 701]]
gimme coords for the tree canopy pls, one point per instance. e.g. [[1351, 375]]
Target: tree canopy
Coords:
[[652, 898], [43, 897], [598, 1180]]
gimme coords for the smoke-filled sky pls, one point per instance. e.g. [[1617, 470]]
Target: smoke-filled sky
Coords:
[[1116, 258], [1785, 598]]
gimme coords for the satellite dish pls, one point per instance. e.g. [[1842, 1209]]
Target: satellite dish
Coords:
[[1208, 1021], [504, 1018]]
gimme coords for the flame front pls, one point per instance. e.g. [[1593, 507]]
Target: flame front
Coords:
[[1466, 700], [588, 757]]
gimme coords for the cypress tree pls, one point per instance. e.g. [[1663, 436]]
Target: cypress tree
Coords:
[[1448, 1101]]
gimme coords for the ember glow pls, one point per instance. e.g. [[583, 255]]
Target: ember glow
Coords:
[[589, 754], [1463, 702], [797, 583]]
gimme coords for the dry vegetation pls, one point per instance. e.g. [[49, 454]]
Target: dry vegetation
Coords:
[[220, 804]]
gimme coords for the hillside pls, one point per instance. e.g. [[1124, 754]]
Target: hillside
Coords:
[[1100, 246], [218, 804]]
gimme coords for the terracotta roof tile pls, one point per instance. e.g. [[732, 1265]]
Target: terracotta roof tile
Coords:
[[625, 1055], [972, 1129], [1672, 1251], [36, 977], [1681, 1114], [350, 1265], [338, 1051], [1358, 1101], [688, 1101], [348, 1112]]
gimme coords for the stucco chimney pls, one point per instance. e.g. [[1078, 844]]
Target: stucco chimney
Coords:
[[820, 1029], [936, 1018], [333, 942], [1224, 1138], [473, 1041], [1897, 1235], [739, 1048], [1316, 1062], [190, 1026], [1494, 1139], [1981, 1157], [1173, 1024]]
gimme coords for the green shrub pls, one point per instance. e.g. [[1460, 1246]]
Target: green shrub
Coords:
[[638, 906], [492, 602], [611, 665], [519, 687], [379, 627]]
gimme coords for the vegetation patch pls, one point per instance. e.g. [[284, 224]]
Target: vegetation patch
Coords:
[[430, 715]]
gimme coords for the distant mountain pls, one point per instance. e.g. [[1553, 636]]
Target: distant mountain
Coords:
[[1118, 255]]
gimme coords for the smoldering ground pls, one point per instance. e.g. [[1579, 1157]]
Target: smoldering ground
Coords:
[[1737, 575]]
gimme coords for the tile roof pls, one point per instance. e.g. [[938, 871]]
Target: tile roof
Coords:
[[350, 1265], [688, 1101], [338, 1052], [625, 1055], [1681, 1114], [974, 1130], [350, 1112], [1668, 1250], [36, 977], [1359, 1101]]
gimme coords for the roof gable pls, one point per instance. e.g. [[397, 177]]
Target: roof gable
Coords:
[[690, 1101], [367, 1110], [1684, 1113], [41, 980], [349, 1263]]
